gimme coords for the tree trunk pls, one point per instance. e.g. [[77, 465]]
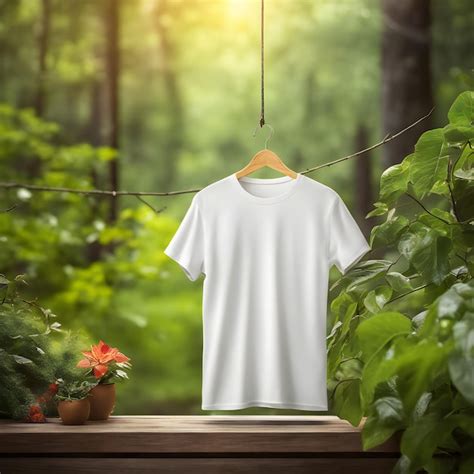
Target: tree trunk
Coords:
[[173, 139], [406, 73], [112, 71], [93, 135], [43, 45]]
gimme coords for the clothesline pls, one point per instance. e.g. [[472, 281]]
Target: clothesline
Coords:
[[99, 192]]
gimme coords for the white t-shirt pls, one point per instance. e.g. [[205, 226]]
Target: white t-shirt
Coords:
[[265, 247]]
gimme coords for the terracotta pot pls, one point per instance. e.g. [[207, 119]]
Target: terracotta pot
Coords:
[[74, 412], [102, 400]]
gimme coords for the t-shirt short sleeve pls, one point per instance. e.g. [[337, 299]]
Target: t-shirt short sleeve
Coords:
[[187, 245], [347, 243]]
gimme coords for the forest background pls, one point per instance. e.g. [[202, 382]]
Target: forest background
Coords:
[[163, 95]]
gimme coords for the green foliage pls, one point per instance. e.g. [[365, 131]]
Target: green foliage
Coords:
[[34, 351], [401, 350], [178, 130], [73, 390], [107, 280]]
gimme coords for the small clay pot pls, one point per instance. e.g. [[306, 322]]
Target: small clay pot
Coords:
[[102, 400], [74, 412]]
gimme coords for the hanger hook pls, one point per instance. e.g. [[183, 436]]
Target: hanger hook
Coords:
[[272, 131]]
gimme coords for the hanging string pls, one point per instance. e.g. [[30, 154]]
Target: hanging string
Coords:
[[262, 88]]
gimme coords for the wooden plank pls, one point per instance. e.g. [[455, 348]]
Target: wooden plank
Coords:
[[189, 434], [196, 465]]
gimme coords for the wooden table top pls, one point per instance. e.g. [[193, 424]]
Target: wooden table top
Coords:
[[188, 434]]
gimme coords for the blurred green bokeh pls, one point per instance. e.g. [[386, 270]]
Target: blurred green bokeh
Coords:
[[188, 105]]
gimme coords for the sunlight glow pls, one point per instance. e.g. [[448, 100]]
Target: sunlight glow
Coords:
[[241, 8]]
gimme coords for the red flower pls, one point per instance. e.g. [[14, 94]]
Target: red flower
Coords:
[[38, 418], [99, 358], [46, 396], [35, 415]]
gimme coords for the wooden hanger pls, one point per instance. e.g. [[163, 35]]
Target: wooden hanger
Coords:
[[267, 158]]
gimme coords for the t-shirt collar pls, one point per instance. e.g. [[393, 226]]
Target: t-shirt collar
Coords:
[[266, 200]]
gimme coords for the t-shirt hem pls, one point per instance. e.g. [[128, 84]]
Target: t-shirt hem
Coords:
[[356, 257], [263, 403]]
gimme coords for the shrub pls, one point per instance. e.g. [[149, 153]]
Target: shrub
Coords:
[[34, 352], [401, 348]]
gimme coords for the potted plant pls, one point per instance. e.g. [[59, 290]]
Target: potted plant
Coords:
[[106, 364], [72, 401]]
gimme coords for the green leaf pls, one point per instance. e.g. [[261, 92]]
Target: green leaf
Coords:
[[461, 370], [347, 318], [343, 308], [419, 319], [388, 232], [371, 376], [420, 440], [331, 335], [458, 133], [394, 181], [429, 163], [386, 416], [335, 355], [375, 332], [400, 283], [439, 220], [427, 251], [121, 374], [450, 304], [439, 465], [380, 209], [462, 110], [416, 367], [55, 326], [466, 290], [463, 193], [421, 406], [340, 304], [336, 343], [465, 174], [3, 280], [347, 402], [463, 333], [362, 273], [403, 466], [376, 299], [21, 360]]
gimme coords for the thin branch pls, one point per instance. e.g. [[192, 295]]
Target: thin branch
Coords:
[[388, 138], [408, 293], [426, 210], [90, 192], [157, 211], [98, 192], [453, 201], [348, 359], [462, 258], [14, 206], [352, 379], [393, 263]]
